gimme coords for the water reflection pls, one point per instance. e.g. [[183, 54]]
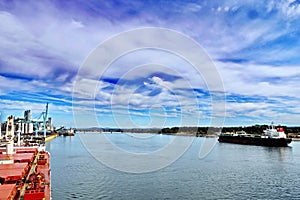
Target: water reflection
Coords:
[[281, 153], [230, 171]]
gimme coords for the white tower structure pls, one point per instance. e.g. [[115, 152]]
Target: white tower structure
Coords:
[[10, 128], [30, 127], [10, 133]]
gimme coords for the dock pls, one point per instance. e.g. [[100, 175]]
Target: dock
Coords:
[[51, 137]]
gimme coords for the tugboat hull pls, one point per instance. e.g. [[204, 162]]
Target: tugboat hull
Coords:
[[271, 142]]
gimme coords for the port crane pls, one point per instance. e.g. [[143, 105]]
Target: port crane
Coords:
[[44, 115]]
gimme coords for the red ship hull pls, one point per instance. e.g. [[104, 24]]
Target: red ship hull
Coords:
[[25, 174]]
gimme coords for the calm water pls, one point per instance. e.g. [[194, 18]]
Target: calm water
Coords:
[[230, 171]]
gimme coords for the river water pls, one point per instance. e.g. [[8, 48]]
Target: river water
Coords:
[[229, 171]]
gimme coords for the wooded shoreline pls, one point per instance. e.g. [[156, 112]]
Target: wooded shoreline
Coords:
[[293, 132]]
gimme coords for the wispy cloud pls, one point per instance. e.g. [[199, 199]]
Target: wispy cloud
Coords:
[[255, 47]]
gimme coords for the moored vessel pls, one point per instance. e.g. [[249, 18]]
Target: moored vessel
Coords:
[[270, 137], [24, 169], [69, 132], [25, 174]]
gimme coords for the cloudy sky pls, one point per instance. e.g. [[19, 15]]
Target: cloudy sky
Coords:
[[254, 48]]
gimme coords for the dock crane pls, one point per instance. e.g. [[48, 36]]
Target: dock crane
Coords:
[[44, 114]]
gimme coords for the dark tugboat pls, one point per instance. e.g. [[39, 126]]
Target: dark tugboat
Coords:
[[271, 137]]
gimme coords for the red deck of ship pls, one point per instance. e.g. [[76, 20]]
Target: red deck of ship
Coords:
[[9, 173], [21, 150], [24, 160], [42, 167], [18, 158], [7, 191]]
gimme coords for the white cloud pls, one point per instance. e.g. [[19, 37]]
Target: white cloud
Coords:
[[249, 79], [88, 88], [192, 7], [290, 8], [55, 43], [77, 24]]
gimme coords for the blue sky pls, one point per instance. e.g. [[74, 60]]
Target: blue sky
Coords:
[[254, 45]]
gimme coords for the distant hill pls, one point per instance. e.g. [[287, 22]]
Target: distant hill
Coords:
[[197, 131]]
